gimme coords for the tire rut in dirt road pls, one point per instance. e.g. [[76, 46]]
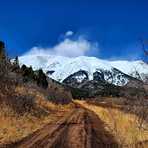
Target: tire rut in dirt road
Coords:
[[76, 135], [80, 129]]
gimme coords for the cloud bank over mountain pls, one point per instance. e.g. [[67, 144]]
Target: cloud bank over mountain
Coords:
[[69, 47]]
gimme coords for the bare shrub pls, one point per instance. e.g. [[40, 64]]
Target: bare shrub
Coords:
[[22, 104]]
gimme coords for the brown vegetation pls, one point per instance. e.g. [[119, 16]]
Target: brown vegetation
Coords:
[[25, 105], [26, 112], [25, 108], [14, 127], [119, 119]]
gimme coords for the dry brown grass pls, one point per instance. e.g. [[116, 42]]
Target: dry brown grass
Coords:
[[120, 124], [41, 99], [14, 126]]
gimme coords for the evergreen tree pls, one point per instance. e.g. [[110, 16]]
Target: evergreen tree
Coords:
[[38, 76], [16, 66], [4, 62], [41, 80], [28, 73], [23, 68], [16, 61], [31, 73], [2, 50]]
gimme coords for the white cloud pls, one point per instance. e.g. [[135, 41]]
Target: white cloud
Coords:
[[72, 48], [68, 48], [69, 33]]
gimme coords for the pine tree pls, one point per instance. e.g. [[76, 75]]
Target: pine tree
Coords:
[[16, 61], [42, 81], [2, 50], [16, 66], [4, 62], [28, 73], [23, 68]]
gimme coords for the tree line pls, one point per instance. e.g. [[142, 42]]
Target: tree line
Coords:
[[27, 72]]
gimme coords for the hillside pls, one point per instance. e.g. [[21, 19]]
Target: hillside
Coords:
[[26, 104]]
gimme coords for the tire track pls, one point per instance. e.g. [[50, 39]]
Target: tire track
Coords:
[[80, 129]]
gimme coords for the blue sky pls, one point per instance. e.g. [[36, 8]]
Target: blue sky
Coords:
[[114, 25]]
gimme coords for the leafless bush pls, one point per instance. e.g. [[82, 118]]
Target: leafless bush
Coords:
[[141, 111], [22, 104]]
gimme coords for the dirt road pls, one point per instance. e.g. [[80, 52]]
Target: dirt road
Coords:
[[80, 129]]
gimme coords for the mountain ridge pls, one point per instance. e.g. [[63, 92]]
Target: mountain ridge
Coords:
[[59, 67]]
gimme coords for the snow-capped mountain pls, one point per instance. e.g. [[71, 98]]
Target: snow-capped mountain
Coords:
[[59, 68]]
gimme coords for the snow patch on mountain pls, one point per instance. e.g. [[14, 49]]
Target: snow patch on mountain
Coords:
[[137, 69]]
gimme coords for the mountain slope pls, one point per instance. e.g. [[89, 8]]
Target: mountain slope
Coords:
[[137, 69], [59, 68]]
